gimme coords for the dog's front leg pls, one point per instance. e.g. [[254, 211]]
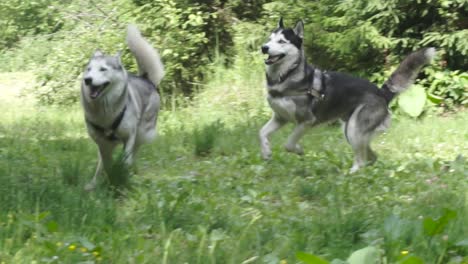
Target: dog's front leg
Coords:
[[104, 162], [269, 128], [293, 139]]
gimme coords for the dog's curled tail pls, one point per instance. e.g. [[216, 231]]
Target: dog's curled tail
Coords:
[[404, 76], [148, 59]]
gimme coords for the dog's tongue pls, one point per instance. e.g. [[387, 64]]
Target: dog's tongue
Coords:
[[94, 92], [271, 60]]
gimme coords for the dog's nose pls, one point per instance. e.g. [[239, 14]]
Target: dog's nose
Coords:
[[265, 49], [88, 80]]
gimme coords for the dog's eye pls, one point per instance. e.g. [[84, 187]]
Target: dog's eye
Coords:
[[281, 41], [88, 69], [102, 69]]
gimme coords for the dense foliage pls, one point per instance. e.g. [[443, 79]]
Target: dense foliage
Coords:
[[196, 38], [23, 18]]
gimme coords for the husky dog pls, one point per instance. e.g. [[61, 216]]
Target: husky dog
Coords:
[[120, 107], [305, 95]]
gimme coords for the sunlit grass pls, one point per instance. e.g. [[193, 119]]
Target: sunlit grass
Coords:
[[227, 205]]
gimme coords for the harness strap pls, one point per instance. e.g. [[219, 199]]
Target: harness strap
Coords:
[[314, 80], [317, 85], [109, 133]]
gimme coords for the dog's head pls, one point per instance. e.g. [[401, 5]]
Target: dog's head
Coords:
[[101, 73], [283, 42]]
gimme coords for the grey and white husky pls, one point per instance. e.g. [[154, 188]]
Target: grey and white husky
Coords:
[[120, 107], [307, 96]]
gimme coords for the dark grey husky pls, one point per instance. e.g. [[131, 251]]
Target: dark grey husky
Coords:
[[307, 96]]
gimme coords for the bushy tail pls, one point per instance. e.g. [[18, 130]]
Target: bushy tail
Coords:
[[148, 59], [404, 76]]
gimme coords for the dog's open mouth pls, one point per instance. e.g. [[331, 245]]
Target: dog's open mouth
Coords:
[[96, 90], [273, 59]]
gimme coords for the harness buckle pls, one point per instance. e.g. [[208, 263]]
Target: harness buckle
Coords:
[[315, 93]]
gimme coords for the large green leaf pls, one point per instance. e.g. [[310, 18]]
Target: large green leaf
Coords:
[[368, 255], [412, 101], [310, 259], [433, 227]]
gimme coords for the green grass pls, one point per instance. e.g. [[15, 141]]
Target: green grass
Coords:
[[227, 205]]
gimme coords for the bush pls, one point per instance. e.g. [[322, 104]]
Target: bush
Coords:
[[362, 36], [365, 38], [21, 18], [447, 88], [190, 34]]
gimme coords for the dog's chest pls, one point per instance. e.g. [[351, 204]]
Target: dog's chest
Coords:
[[284, 107]]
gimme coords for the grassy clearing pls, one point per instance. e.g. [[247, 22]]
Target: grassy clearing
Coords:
[[227, 205]]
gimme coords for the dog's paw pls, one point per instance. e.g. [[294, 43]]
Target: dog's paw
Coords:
[[91, 186], [297, 149], [266, 154], [354, 169]]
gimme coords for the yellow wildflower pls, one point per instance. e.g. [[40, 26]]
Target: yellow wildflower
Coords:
[[404, 252], [283, 261], [72, 247], [95, 253], [83, 249]]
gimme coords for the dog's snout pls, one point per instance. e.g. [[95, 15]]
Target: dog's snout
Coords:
[[265, 49], [88, 80]]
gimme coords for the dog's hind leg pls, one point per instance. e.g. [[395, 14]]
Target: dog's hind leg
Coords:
[[361, 149], [269, 128], [359, 142], [359, 131], [293, 139]]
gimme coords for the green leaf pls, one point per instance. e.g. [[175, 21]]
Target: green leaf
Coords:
[[411, 260], [434, 227], [52, 226], [310, 259], [434, 98], [412, 101], [430, 227], [368, 255]]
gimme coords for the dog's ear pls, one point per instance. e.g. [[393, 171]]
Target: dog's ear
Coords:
[[98, 53], [299, 29], [118, 54], [118, 57], [118, 60], [280, 23]]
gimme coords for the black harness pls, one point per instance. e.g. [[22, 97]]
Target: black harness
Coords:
[[109, 133], [308, 81]]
